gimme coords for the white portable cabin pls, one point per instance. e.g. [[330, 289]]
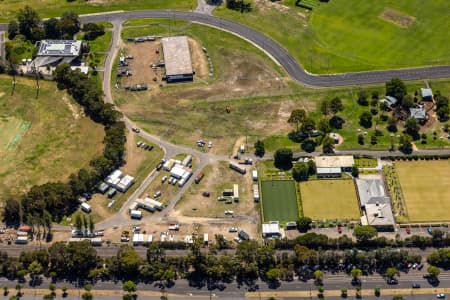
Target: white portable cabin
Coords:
[[235, 192], [86, 207], [114, 178], [255, 175], [22, 240], [96, 242], [136, 214], [138, 239], [255, 193], [125, 183]]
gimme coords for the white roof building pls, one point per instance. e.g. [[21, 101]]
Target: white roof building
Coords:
[[426, 93], [270, 230]]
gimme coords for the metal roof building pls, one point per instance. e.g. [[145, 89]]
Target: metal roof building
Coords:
[[177, 59], [59, 48], [418, 113], [344, 162], [375, 204], [427, 94], [271, 230]]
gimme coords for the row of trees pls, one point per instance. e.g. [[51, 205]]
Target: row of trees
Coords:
[[29, 25], [58, 199], [366, 237], [79, 260]]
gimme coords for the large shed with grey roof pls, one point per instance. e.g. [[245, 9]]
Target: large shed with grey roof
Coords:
[[375, 204], [177, 59]]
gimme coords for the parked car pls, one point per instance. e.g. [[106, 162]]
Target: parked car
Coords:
[[339, 229], [124, 239], [440, 296], [392, 281], [157, 194], [416, 286], [420, 266], [408, 229], [233, 229], [135, 129], [414, 265], [159, 167], [430, 230], [86, 195], [163, 179], [206, 194]]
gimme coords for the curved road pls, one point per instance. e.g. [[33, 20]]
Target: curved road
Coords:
[[277, 52], [274, 50]]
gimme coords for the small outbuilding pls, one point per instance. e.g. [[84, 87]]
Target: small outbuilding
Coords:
[[390, 101], [271, 230], [427, 94]]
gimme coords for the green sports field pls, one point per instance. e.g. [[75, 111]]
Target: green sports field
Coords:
[[329, 200], [279, 200], [348, 35], [426, 189]]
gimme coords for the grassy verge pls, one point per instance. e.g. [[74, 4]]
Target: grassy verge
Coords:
[[54, 8], [324, 40]]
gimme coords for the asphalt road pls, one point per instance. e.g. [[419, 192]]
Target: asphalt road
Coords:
[[237, 291], [275, 50], [278, 53]]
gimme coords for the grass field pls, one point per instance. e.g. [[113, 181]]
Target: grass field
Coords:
[[9, 131], [279, 200], [426, 189], [50, 148], [54, 8], [257, 111], [240, 70], [329, 200], [342, 36]]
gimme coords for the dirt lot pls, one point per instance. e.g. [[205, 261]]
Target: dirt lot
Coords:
[[147, 53], [139, 163], [208, 211]]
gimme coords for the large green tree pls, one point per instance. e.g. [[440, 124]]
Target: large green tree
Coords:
[[300, 172], [396, 88], [365, 119], [283, 158], [405, 144], [364, 233], [412, 128], [28, 21], [297, 116]]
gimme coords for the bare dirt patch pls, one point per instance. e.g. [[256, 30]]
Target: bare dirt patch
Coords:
[[194, 204], [397, 18], [75, 111], [147, 53]]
